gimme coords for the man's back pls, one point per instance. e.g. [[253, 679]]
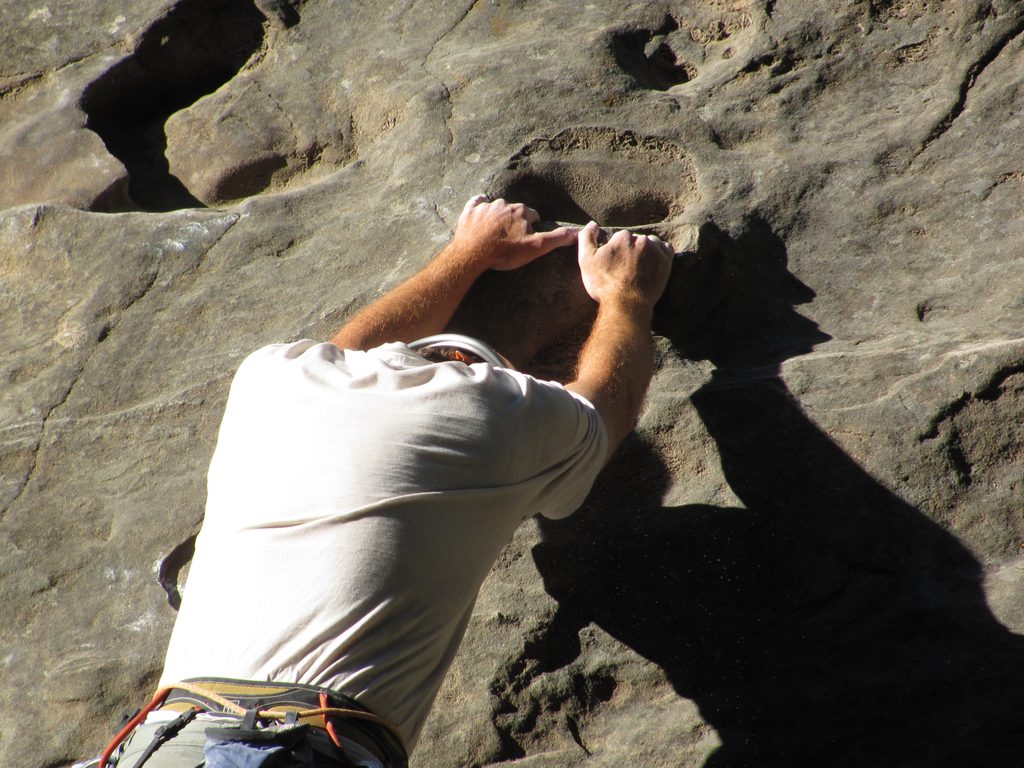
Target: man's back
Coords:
[[356, 502]]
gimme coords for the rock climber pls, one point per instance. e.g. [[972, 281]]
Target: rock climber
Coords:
[[361, 490]]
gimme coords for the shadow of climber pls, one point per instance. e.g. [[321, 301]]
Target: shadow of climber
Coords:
[[826, 623]]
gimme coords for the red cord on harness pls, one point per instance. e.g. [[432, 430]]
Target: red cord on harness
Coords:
[[131, 725], [328, 725]]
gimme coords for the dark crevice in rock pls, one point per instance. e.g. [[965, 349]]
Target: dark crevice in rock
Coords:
[[1000, 180], [967, 83], [11, 85], [650, 58], [526, 704], [462, 17], [544, 651], [285, 12], [994, 387], [131, 300], [878, 9], [991, 391], [775, 63], [193, 49], [961, 465], [24, 481], [574, 731], [469, 9], [171, 565], [946, 413], [510, 749]]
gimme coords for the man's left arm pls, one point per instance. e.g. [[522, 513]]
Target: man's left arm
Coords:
[[489, 235]]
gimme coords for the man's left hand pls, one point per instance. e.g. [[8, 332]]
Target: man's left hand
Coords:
[[501, 234]]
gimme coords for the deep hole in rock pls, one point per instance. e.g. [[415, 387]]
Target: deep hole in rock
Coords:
[[666, 67], [574, 195], [193, 49], [649, 58], [547, 196], [616, 178]]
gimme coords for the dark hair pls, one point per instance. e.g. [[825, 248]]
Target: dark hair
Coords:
[[441, 354]]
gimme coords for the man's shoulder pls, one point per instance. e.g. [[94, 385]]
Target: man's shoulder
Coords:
[[310, 351], [306, 362]]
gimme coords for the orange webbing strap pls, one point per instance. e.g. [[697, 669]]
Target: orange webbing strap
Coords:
[[131, 725], [229, 706], [328, 725]]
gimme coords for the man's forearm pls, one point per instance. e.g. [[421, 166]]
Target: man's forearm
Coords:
[[490, 234], [421, 306], [616, 366]]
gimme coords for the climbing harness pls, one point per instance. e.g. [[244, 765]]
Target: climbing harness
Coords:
[[167, 732], [260, 708]]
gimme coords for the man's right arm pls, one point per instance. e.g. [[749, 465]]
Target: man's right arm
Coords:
[[491, 234], [626, 276]]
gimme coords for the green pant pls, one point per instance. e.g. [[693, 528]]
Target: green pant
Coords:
[[186, 749]]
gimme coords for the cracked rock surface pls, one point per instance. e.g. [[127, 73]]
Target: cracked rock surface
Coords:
[[812, 550]]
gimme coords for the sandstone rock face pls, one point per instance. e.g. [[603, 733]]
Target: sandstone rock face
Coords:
[[811, 553]]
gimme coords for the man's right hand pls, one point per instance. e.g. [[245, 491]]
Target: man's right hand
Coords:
[[625, 276], [630, 269]]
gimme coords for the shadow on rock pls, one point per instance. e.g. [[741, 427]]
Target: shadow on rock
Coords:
[[537, 316], [825, 623]]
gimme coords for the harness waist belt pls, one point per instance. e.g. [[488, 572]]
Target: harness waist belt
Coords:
[[219, 694], [287, 702], [254, 702]]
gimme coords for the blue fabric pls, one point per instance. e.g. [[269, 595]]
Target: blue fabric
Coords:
[[238, 754]]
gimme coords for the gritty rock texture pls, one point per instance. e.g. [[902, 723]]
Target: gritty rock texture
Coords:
[[811, 552]]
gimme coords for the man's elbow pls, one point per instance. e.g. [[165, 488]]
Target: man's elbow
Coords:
[[617, 432], [351, 338]]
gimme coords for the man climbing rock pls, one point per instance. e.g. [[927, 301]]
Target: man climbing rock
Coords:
[[361, 490]]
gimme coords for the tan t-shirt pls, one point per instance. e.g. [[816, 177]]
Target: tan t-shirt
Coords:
[[356, 501]]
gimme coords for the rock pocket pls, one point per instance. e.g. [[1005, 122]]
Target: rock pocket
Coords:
[[192, 49], [651, 56], [617, 178]]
